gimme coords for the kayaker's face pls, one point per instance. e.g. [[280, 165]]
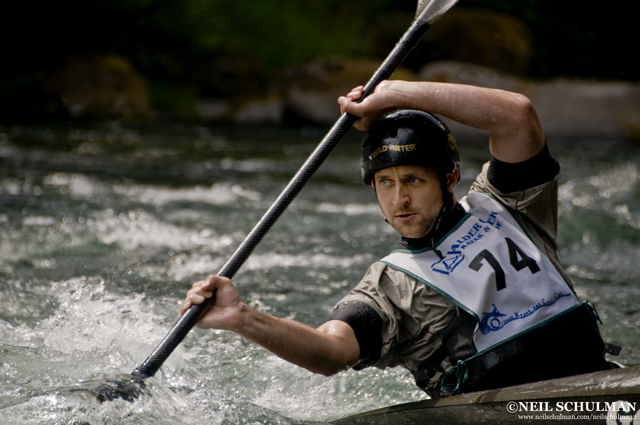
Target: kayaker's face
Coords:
[[410, 198]]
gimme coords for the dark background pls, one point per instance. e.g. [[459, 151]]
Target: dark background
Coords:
[[221, 48]]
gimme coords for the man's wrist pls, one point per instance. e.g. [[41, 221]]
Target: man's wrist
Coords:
[[247, 320], [399, 94]]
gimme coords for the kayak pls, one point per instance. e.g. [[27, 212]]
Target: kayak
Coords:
[[606, 397]]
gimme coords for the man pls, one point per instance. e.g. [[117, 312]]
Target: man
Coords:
[[474, 297]]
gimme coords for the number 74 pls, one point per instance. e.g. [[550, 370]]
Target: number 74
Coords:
[[518, 259]]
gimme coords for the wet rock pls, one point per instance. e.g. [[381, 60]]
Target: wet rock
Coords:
[[482, 37], [259, 111], [567, 107], [307, 94], [312, 90], [100, 87], [212, 109]]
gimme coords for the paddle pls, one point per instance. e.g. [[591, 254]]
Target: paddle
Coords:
[[128, 387]]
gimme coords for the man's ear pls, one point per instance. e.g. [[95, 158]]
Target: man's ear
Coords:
[[453, 179]]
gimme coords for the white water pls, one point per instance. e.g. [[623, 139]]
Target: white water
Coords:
[[103, 229]]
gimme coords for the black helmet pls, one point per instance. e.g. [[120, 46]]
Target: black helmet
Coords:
[[407, 137]]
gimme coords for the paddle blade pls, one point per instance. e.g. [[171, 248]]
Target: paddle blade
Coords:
[[430, 10], [125, 387]]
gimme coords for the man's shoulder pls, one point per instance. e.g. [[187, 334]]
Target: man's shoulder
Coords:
[[544, 193], [516, 177], [381, 275]]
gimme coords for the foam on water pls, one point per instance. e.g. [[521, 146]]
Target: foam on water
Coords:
[[606, 247], [218, 194], [95, 332], [349, 209]]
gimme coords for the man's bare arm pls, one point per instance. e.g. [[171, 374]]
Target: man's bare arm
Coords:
[[326, 350], [516, 134]]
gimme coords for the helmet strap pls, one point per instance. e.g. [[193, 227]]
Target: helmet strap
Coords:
[[447, 200], [447, 205], [435, 228]]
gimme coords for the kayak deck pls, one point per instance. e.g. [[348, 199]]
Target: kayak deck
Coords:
[[590, 398]]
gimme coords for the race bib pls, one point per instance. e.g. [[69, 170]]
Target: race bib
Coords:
[[493, 270]]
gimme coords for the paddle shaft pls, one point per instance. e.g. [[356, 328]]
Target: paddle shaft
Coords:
[[304, 174]]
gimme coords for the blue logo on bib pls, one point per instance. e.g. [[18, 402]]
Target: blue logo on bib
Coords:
[[449, 262], [491, 321]]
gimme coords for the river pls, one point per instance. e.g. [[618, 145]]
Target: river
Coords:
[[104, 227]]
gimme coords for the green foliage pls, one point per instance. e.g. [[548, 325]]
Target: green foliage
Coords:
[[178, 101], [276, 33]]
